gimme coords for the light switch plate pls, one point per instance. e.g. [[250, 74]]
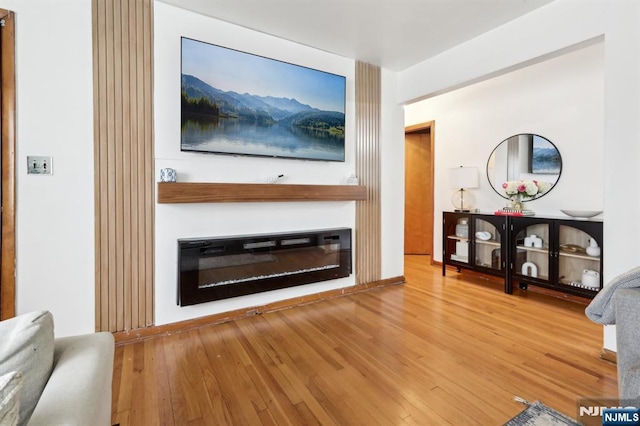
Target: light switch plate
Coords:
[[39, 165]]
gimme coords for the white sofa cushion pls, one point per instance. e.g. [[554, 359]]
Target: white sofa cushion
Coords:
[[27, 347], [78, 392], [10, 398]]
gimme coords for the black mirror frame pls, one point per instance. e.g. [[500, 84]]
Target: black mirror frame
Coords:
[[499, 190]]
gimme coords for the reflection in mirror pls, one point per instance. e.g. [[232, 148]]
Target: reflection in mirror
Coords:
[[524, 157]]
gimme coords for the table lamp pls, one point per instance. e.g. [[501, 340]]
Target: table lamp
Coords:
[[463, 178]]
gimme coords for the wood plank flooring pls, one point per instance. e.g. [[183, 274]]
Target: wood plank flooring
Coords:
[[452, 350]]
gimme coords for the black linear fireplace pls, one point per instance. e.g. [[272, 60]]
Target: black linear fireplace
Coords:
[[224, 267]]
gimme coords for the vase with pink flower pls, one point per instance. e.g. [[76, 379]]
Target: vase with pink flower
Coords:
[[516, 202], [519, 191]]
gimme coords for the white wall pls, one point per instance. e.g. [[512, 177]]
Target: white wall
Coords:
[[210, 220], [549, 31], [560, 99], [622, 142], [55, 223], [392, 179]]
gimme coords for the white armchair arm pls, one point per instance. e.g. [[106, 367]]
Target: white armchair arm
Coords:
[[79, 389]]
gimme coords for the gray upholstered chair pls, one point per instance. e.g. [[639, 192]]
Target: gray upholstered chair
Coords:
[[627, 308]]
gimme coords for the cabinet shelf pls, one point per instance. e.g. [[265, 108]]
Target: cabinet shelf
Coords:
[[199, 192], [459, 259], [539, 277], [580, 256], [561, 253], [488, 242], [533, 249]]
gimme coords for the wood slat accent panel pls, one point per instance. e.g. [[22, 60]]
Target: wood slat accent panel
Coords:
[[123, 151], [368, 249], [8, 105], [194, 192]]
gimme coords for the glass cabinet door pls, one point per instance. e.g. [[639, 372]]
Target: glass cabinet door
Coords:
[[457, 238], [531, 259], [579, 258], [488, 245]]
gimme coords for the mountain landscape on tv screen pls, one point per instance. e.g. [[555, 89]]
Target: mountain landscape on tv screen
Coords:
[[201, 100], [228, 122]]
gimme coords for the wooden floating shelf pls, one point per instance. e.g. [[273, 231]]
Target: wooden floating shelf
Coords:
[[197, 192]]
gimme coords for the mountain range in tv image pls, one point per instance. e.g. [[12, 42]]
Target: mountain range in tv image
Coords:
[[228, 122]]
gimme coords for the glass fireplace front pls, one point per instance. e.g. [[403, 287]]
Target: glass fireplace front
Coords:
[[224, 267]]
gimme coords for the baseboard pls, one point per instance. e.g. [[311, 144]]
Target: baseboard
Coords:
[[609, 355], [123, 337]]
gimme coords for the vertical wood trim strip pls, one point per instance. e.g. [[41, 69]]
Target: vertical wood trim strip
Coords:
[[8, 105], [117, 166], [123, 147], [139, 182], [130, 299], [96, 161], [149, 161], [101, 169], [133, 157], [140, 158], [126, 165], [109, 166], [368, 106]]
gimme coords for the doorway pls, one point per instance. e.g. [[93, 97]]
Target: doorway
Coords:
[[7, 159], [418, 207]]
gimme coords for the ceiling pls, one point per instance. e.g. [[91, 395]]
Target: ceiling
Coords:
[[393, 34]]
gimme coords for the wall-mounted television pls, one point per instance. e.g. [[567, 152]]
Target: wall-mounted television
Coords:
[[238, 103]]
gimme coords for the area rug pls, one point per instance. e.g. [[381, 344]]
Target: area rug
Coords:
[[538, 414]]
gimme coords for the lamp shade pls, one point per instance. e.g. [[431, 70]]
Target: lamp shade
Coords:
[[463, 177]]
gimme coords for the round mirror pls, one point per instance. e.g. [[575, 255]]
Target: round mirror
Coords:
[[524, 157]]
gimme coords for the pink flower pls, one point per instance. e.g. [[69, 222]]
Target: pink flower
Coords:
[[525, 188]]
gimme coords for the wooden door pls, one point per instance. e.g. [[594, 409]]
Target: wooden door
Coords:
[[7, 157], [418, 216]]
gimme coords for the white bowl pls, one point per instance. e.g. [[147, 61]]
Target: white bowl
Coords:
[[581, 213], [483, 235]]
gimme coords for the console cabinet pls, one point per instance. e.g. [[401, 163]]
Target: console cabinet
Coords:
[[558, 254]]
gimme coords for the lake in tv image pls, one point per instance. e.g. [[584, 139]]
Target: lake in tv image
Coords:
[[234, 102]]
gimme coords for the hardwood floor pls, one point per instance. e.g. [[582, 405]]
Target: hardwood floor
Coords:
[[436, 350]]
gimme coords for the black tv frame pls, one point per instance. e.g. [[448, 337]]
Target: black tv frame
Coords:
[[313, 133]]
